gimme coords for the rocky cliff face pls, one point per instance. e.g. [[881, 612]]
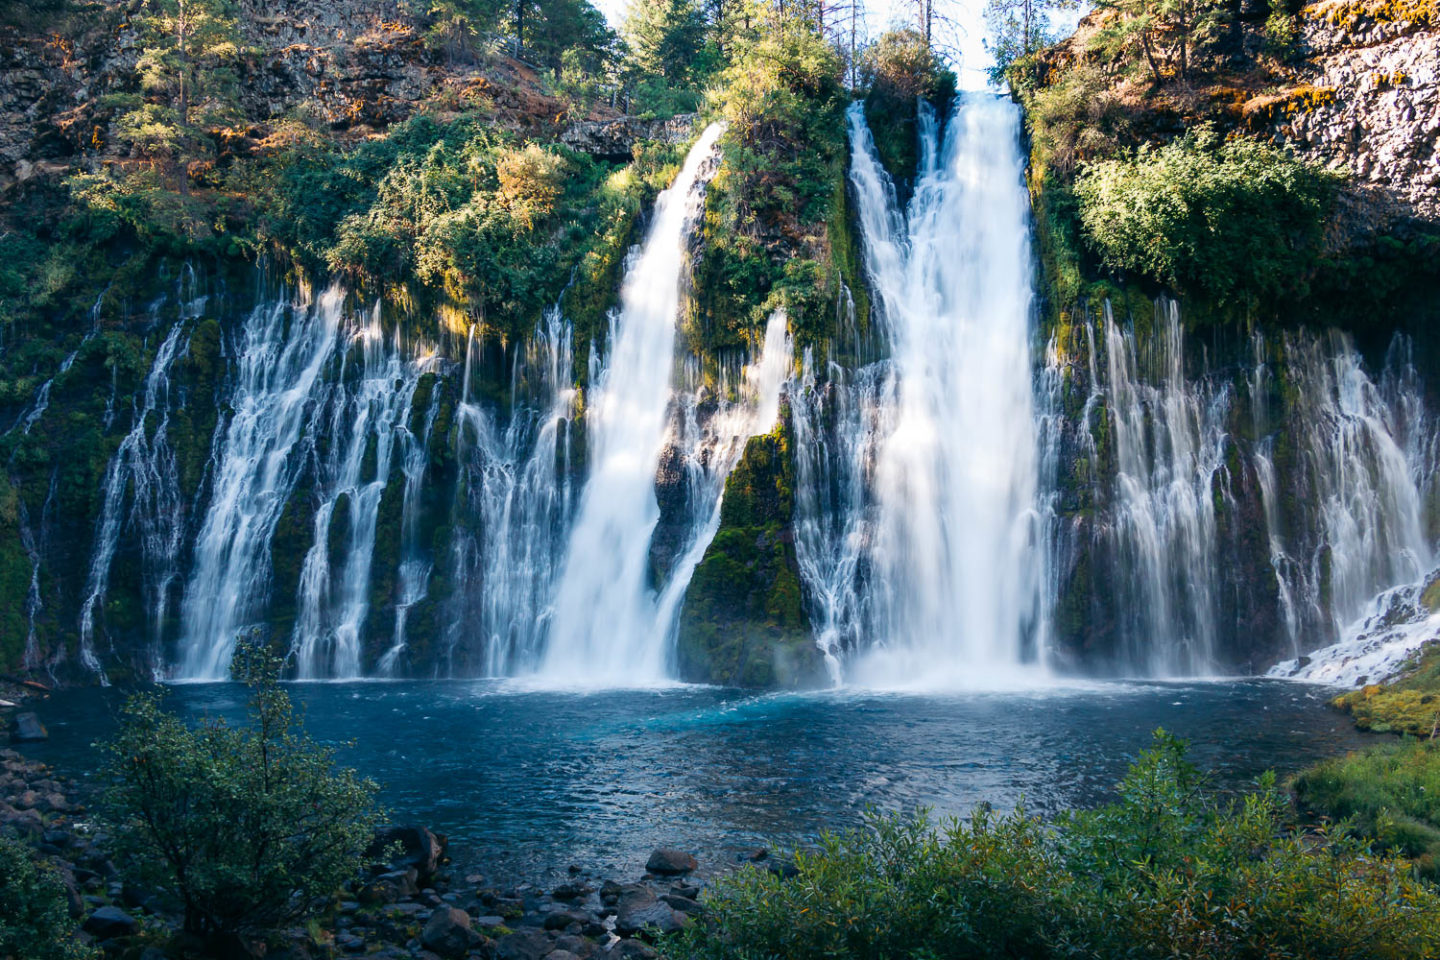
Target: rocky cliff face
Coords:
[[1367, 101], [352, 66]]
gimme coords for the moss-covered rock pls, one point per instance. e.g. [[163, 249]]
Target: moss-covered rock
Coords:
[[743, 623]]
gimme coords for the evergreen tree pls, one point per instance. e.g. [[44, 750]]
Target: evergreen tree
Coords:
[[186, 75], [665, 39], [1019, 28]]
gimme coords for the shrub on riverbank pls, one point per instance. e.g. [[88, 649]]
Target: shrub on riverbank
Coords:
[[249, 826], [1166, 871], [34, 923], [1389, 792]]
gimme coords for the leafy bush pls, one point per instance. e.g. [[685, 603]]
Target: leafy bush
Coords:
[[1390, 792], [1238, 222], [34, 922], [249, 825], [772, 208], [1164, 872]]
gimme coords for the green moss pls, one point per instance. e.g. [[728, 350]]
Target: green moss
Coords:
[[743, 622], [1408, 704]]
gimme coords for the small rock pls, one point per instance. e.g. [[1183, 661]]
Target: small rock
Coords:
[[561, 955], [27, 728], [419, 848], [448, 933], [633, 950], [564, 920], [639, 909], [579, 946], [783, 869], [109, 922], [683, 904], [571, 891], [489, 922], [526, 945], [670, 862]]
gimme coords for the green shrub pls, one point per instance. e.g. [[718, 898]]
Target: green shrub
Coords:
[[1164, 872], [34, 922], [1390, 792], [1237, 222], [248, 825]]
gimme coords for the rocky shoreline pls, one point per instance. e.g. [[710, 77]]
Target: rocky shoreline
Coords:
[[412, 902]]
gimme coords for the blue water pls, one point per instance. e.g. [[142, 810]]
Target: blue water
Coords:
[[527, 782]]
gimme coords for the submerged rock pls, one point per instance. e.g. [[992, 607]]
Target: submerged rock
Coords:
[[670, 862], [27, 728]]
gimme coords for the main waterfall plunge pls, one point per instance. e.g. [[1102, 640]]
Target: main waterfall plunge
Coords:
[[927, 570], [973, 504]]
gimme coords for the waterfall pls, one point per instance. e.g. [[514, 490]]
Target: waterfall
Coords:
[[415, 564], [1360, 567], [362, 418], [930, 576], [604, 625], [283, 351], [144, 467], [517, 487], [1169, 441], [835, 425]]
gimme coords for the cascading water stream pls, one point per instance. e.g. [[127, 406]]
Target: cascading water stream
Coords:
[[1170, 442], [518, 487], [362, 422], [415, 565], [603, 628], [931, 574], [282, 354], [144, 467], [711, 447]]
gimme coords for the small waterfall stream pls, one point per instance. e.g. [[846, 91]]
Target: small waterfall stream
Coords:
[[361, 419], [144, 468], [282, 354], [517, 486], [604, 626]]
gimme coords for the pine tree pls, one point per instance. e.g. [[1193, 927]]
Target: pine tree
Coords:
[[186, 75], [665, 39]]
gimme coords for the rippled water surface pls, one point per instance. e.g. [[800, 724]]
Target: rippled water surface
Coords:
[[526, 782]]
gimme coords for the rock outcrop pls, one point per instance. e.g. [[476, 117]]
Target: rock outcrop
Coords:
[[615, 139], [1369, 103]]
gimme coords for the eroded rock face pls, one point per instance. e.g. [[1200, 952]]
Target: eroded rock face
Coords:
[[615, 139], [1376, 110]]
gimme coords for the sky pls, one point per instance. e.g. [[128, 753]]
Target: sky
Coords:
[[966, 35]]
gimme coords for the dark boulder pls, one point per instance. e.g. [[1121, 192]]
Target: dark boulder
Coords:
[[670, 862], [525, 945], [683, 904], [107, 923], [639, 909], [417, 846], [448, 933]]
